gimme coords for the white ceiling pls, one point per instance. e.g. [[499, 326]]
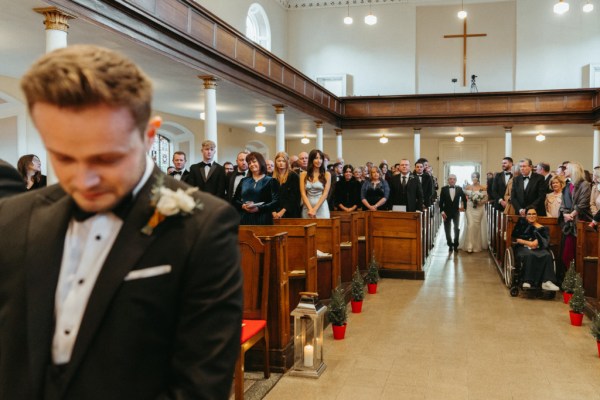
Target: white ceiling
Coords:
[[179, 91]]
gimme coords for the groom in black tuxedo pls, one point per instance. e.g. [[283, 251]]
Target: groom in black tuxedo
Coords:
[[104, 293], [452, 202]]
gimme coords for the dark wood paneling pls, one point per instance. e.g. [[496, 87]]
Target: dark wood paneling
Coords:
[[493, 105], [309, 90], [225, 42], [245, 53], [464, 106], [551, 103], [433, 107], [288, 78], [148, 5], [173, 13], [579, 102], [202, 29], [526, 104], [261, 63], [384, 108], [300, 85], [405, 107], [358, 109], [276, 71]]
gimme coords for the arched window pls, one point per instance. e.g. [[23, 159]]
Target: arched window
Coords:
[[257, 26], [162, 152]]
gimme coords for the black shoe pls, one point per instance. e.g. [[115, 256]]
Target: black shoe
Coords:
[[450, 249], [456, 248]]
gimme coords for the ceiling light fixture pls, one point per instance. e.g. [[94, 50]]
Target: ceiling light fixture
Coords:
[[561, 7], [202, 116], [383, 139], [305, 140], [370, 19], [462, 14], [260, 128], [540, 137], [588, 7], [459, 138], [348, 20]]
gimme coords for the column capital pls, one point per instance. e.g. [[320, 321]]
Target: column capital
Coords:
[[279, 108], [596, 126], [319, 124], [338, 132], [210, 82], [508, 128], [416, 130], [55, 19]]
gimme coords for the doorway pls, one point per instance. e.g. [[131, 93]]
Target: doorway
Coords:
[[462, 170]]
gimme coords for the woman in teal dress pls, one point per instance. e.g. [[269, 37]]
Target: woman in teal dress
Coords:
[[257, 195]]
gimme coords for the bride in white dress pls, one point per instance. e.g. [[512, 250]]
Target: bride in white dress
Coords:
[[473, 234]]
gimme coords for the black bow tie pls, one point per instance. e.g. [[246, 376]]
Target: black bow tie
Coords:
[[241, 173], [120, 210], [451, 187], [203, 164], [177, 172], [525, 177], [507, 173]]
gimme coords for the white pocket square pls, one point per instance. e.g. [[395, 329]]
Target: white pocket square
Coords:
[[148, 272]]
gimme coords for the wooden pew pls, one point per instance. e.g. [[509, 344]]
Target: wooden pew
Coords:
[[394, 238], [348, 243], [586, 260], [328, 241], [361, 231], [281, 344]]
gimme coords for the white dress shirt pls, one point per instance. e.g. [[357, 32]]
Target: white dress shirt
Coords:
[[87, 244]]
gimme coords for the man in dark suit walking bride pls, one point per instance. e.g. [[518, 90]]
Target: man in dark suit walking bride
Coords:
[[452, 202]]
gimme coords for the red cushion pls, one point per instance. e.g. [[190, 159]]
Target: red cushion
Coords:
[[251, 327]]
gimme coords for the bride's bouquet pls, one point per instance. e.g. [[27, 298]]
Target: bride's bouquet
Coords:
[[476, 198]]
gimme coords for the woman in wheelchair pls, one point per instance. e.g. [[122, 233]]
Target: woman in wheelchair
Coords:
[[532, 252]]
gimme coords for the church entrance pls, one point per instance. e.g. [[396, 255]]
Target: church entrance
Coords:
[[462, 170]]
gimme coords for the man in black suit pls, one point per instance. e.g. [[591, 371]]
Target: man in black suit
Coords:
[[110, 289], [528, 190], [405, 189], [179, 161], [543, 169], [208, 175], [10, 180], [426, 182], [499, 183], [452, 202], [236, 176]]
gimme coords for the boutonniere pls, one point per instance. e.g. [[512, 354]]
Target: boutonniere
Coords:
[[167, 203]]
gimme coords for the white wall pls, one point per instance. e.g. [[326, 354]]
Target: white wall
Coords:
[[381, 58], [551, 48], [234, 13]]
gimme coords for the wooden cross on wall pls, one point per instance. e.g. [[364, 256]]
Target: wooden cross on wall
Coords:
[[465, 36]]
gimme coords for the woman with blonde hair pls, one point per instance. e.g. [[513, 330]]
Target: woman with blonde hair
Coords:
[[595, 197], [554, 198], [289, 188]]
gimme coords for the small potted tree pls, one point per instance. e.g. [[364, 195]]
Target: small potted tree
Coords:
[[568, 283], [577, 302], [358, 291], [337, 314], [372, 276], [595, 330]]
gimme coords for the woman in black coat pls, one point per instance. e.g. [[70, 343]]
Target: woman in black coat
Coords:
[[347, 191], [289, 188]]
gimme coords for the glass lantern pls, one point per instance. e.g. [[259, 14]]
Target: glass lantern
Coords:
[[309, 319]]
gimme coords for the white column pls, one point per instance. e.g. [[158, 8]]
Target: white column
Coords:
[[417, 143], [508, 141], [279, 128], [319, 144], [595, 162], [210, 110], [338, 142], [57, 26]]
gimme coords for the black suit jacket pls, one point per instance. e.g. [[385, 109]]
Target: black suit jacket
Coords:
[[451, 207], [184, 175], [414, 193], [172, 336], [10, 180], [215, 183], [533, 196], [427, 186], [498, 189], [230, 183]]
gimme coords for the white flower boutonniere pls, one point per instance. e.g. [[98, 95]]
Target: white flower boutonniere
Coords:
[[168, 203]]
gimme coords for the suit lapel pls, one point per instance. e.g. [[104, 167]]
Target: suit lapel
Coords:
[[48, 224], [211, 170], [203, 173], [128, 248]]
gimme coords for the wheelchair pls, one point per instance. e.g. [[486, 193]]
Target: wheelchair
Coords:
[[513, 272]]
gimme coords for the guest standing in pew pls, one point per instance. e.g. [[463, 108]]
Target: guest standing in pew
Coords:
[[257, 195], [452, 203], [575, 206], [426, 182], [406, 190], [358, 175], [30, 168], [375, 191], [10, 180], [554, 198], [528, 190], [508, 207], [102, 295], [315, 184], [500, 183], [208, 175], [289, 188], [595, 197], [347, 191]]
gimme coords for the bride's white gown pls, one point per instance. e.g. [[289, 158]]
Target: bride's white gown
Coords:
[[473, 226]]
